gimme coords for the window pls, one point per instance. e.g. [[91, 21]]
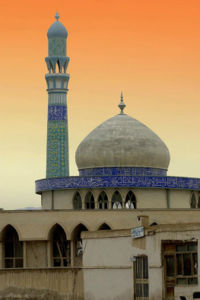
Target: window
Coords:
[[13, 249], [103, 201], [130, 201], [89, 201], [198, 204], [60, 247], [193, 202], [141, 278], [116, 200], [181, 265], [104, 226], [77, 202]]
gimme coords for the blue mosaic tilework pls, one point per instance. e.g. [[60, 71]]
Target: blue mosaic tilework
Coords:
[[76, 182], [57, 112], [124, 171], [57, 149]]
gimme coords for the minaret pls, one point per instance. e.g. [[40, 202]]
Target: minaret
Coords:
[[57, 87]]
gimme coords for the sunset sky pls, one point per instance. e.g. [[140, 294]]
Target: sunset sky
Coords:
[[149, 49]]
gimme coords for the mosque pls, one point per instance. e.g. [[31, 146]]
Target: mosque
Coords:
[[122, 229]]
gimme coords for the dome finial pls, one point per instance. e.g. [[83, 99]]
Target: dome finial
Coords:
[[57, 16], [122, 105]]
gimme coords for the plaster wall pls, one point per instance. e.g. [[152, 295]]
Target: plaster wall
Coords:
[[145, 198], [36, 254], [179, 199], [108, 284], [63, 200], [151, 198], [35, 225], [46, 200]]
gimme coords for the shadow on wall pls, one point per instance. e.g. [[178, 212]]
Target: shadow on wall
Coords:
[[13, 293]]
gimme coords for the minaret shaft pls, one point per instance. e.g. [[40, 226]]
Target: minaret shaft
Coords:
[[57, 87], [57, 136]]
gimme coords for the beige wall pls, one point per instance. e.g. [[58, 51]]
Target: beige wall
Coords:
[[108, 284], [36, 254], [108, 259], [145, 198], [35, 225]]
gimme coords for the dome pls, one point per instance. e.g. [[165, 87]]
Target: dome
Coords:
[[57, 29], [122, 141]]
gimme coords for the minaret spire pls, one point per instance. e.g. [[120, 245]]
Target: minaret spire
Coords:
[[122, 105], [57, 87], [57, 16]]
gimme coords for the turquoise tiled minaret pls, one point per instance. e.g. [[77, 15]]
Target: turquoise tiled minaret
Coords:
[[57, 87]]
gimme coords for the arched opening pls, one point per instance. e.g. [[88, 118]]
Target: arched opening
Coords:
[[77, 202], [193, 202], [198, 202], [12, 248], [103, 201], [58, 70], [77, 244], [89, 201], [104, 226], [130, 201], [60, 247], [116, 200]]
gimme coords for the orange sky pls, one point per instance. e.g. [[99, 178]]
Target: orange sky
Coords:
[[148, 49]]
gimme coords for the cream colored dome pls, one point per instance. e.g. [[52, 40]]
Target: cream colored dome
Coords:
[[122, 141]]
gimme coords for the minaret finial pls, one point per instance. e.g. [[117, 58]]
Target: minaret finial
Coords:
[[57, 16], [122, 105]]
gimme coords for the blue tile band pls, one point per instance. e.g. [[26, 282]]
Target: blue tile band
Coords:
[[57, 112], [76, 182], [123, 171]]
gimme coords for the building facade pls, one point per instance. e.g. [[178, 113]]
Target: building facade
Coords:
[[122, 229]]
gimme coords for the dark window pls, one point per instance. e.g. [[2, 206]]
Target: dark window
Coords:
[[181, 262], [193, 202], [104, 226], [116, 200], [60, 247], [77, 202], [130, 201], [89, 201], [103, 201], [13, 249]]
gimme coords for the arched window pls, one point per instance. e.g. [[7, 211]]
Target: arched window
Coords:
[[193, 202], [130, 201], [78, 246], [13, 248], [89, 201], [198, 204], [60, 247], [103, 201], [77, 202], [116, 200], [104, 226]]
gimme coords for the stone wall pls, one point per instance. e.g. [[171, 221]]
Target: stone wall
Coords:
[[54, 284]]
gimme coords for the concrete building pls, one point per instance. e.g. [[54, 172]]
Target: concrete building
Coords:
[[122, 229]]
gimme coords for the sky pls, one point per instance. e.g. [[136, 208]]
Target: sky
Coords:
[[150, 50]]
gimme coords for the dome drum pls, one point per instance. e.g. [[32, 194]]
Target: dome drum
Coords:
[[123, 171]]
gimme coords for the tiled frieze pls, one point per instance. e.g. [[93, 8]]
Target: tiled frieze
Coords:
[[123, 171], [76, 182], [57, 112]]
